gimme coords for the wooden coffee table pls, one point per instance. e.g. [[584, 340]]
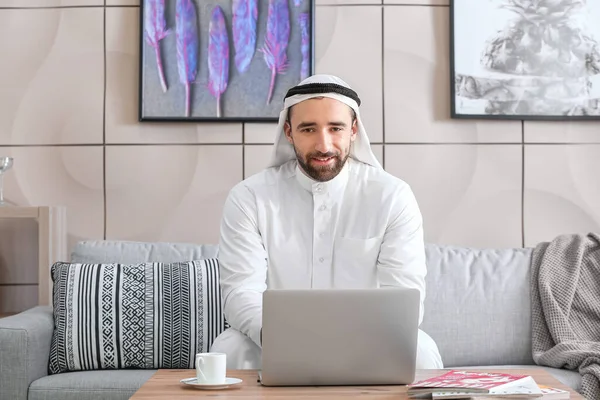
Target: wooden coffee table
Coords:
[[165, 384]]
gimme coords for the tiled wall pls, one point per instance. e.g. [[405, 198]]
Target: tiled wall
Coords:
[[68, 114]]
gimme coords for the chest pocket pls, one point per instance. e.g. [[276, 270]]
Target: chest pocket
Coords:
[[355, 262]]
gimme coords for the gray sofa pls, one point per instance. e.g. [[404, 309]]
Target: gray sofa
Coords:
[[477, 310]]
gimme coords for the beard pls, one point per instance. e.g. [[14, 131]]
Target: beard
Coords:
[[322, 173]]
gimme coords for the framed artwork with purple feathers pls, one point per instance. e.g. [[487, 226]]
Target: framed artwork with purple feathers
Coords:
[[222, 60]]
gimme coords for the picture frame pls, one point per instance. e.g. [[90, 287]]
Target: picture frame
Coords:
[[525, 59], [222, 60]]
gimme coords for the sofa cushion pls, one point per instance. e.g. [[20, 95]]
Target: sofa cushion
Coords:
[[128, 252], [147, 315], [90, 385], [478, 306]]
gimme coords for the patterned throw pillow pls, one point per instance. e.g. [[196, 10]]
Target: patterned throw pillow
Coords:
[[146, 316]]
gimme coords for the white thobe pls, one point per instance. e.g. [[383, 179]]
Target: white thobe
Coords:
[[283, 230]]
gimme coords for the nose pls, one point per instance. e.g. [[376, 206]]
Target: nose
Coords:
[[323, 142]]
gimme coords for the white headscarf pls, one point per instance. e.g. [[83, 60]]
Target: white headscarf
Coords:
[[283, 150]]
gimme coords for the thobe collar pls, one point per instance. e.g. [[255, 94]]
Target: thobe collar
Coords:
[[332, 185]]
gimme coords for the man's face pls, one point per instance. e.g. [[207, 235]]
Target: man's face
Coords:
[[321, 131]]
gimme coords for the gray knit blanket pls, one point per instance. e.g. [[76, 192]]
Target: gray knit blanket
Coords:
[[565, 283]]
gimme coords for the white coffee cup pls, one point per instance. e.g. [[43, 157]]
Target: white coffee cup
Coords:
[[211, 368]]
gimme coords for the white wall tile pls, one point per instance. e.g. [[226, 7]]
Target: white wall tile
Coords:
[[49, 3], [256, 158], [260, 132], [69, 176], [51, 75], [416, 82], [345, 2], [562, 132], [378, 151], [348, 44], [418, 2], [169, 193], [122, 97], [469, 195], [122, 2], [562, 192]]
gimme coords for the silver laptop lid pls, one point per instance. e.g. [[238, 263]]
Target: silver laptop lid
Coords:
[[339, 336]]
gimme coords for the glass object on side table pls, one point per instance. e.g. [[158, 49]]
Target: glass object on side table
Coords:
[[6, 163]]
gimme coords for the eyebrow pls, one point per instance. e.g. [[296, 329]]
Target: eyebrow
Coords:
[[309, 124]]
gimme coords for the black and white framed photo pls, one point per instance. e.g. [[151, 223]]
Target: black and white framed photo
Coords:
[[222, 60], [525, 59]]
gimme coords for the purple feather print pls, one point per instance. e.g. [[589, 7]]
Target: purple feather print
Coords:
[[187, 46], [155, 27], [245, 13], [276, 40], [303, 20], [218, 56]]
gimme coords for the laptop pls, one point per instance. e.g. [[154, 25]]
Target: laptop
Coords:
[[329, 337]]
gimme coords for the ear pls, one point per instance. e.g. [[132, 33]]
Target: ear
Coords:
[[288, 132], [354, 130]]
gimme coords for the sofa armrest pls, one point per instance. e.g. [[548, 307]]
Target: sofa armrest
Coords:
[[24, 350]]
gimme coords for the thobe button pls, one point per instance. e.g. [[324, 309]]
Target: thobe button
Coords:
[[321, 259], [318, 188], [321, 234], [322, 208]]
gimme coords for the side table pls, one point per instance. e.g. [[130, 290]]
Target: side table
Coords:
[[52, 239]]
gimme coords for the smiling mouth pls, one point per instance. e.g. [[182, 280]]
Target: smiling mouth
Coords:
[[322, 160]]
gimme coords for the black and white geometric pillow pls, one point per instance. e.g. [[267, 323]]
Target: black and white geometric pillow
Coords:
[[145, 316]]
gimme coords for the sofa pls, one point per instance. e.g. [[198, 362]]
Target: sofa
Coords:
[[477, 310]]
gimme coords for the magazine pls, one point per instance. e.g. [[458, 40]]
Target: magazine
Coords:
[[461, 384]]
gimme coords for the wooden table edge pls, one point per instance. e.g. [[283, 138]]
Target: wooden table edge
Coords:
[[166, 382]]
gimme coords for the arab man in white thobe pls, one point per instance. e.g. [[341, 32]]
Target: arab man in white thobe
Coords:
[[323, 214]]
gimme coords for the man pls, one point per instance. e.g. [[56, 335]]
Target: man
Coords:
[[324, 214]]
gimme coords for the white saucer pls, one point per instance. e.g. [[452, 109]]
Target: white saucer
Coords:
[[211, 386]]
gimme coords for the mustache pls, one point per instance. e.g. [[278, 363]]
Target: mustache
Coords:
[[323, 155]]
